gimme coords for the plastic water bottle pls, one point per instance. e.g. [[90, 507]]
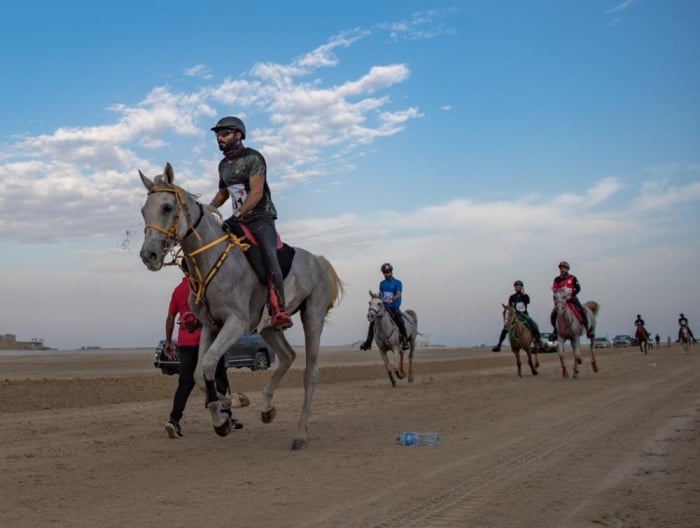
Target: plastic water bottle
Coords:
[[418, 439]]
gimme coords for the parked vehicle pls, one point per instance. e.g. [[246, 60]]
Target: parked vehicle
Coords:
[[547, 345], [622, 340], [250, 351], [602, 342]]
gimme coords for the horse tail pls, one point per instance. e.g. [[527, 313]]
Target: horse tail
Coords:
[[412, 314], [337, 287], [593, 306]]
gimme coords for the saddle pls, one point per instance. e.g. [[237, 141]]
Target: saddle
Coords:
[[285, 253], [576, 311]]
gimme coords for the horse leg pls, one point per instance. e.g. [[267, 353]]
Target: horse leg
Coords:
[[387, 366], [533, 368], [410, 358], [564, 372], [594, 363], [516, 353], [285, 357]]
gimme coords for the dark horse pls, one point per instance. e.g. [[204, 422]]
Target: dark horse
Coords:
[[642, 337]]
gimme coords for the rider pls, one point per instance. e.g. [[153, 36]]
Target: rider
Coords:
[[639, 327], [519, 301], [390, 290], [242, 176], [569, 283], [683, 322]]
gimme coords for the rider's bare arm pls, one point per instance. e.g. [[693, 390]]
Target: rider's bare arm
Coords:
[[220, 197]]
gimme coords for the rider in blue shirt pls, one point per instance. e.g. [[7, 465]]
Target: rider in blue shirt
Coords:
[[390, 290]]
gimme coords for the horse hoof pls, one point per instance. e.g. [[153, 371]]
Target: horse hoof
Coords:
[[535, 373], [564, 373], [298, 443], [268, 416], [224, 429], [579, 360], [595, 366]]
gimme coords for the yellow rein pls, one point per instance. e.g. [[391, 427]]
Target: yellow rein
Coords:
[[198, 284]]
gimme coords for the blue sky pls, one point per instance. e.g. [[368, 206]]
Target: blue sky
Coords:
[[469, 143]]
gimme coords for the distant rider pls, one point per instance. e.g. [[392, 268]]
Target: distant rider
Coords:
[[683, 322], [519, 300], [390, 289], [569, 283]]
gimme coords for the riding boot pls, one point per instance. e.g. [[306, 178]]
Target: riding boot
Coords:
[[497, 348], [553, 320], [280, 318], [367, 345]]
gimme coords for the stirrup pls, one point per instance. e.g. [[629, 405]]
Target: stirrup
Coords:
[[281, 320]]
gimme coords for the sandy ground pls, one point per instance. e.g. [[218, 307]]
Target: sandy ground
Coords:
[[82, 445]]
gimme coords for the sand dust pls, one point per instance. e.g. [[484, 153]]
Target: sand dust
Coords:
[[82, 445]]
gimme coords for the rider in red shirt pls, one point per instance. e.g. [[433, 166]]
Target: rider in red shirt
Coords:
[[569, 283]]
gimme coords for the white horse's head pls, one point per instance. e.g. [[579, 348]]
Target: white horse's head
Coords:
[[162, 214], [376, 306], [560, 296]]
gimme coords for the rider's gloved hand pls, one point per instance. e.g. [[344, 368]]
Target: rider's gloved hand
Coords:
[[230, 224]]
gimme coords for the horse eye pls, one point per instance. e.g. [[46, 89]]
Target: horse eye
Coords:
[[167, 208]]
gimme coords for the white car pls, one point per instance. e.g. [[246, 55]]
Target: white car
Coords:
[[602, 342]]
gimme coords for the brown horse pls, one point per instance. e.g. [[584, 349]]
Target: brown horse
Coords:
[[642, 337], [521, 338]]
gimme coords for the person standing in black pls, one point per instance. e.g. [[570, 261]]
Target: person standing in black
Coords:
[[243, 178], [519, 300]]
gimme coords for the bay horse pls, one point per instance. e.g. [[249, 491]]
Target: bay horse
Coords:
[[229, 299], [569, 328], [388, 338], [642, 337], [521, 338]]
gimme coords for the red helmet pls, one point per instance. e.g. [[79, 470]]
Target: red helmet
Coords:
[[564, 264], [387, 268]]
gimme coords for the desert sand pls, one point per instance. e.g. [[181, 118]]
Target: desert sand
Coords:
[[82, 444]]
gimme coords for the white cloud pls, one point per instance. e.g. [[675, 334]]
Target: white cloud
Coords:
[[621, 6]]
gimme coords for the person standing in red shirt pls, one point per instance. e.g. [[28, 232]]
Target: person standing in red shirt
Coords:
[[187, 347]]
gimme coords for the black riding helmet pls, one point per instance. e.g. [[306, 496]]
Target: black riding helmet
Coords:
[[229, 122], [386, 267], [518, 283]]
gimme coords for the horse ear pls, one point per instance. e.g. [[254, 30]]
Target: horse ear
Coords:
[[146, 181], [370, 293], [168, 172]]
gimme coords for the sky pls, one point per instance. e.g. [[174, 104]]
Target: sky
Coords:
[[469, 143]]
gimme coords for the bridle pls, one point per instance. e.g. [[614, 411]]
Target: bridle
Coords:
[[377, 314], [198, 282]]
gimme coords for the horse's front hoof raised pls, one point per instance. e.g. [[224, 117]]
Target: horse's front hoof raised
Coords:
[[298, 443], [268, 416]]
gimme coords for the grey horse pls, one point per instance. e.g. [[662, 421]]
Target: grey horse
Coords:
[[387, 338], [229, 299], [570, 329]]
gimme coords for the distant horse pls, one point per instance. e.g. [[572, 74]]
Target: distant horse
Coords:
[[686, 340], [388, 339], [230, 299], [642, 337], [570, 329], [521, 338]]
